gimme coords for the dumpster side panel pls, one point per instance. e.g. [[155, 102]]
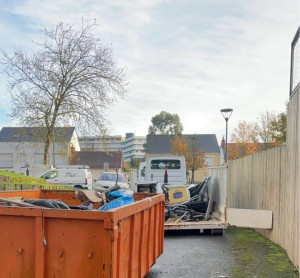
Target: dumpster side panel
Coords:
[[27, 194], [44, 243], [17, 241], [74, 248], [123, 247], [66, 196], [140, 241]]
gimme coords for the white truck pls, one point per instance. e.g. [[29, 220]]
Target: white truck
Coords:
[[77, 177], [159, 170], [141, 172]]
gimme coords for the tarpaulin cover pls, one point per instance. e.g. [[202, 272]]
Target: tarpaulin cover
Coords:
[[117, 193], [122, 201], [48, 203]]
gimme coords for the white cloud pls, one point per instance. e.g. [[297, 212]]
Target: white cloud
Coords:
[[186, 57]]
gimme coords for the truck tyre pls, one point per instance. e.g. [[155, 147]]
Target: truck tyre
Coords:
[[218, 232]]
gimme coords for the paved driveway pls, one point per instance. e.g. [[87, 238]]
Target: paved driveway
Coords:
[[238, 253]]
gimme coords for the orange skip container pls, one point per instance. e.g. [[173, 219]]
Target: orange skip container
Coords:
[[44, 243]]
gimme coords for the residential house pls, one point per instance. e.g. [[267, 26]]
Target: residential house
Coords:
[[22, 147], [160, 145], [98, 161]]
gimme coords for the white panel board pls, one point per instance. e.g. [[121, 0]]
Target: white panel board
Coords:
[[249, 218]]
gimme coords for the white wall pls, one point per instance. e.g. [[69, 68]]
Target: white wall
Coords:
[[75, 141], [133, 147], [31, 153]]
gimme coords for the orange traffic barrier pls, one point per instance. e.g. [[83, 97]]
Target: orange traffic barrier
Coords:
[[42, 242]]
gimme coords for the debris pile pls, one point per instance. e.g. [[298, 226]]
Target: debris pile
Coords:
[[197, 206], [100, 199]]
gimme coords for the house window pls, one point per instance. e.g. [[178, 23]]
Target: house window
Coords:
[[59, 158], [39, 158], [6, 160], [23, 160], [209, 161]]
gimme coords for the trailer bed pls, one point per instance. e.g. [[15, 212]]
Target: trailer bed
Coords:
[[199, 225]]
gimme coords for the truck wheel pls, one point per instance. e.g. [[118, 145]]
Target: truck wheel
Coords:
[[78, 187], [217, 232], [207, 231]]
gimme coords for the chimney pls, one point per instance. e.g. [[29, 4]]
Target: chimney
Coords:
[[223, 144]]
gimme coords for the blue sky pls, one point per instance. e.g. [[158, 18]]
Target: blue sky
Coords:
[[187, 57]]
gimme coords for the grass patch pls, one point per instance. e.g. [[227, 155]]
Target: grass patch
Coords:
[[256, 256]]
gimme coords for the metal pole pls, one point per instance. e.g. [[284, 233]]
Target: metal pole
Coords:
[[226, 115], [226, 141]]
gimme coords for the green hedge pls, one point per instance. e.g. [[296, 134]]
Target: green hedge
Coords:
[[13, 181]]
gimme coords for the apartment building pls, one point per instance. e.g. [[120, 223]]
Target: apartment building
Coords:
[[131, 146], [109, 143]]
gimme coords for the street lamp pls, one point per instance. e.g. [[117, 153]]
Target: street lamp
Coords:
[[226, 114]]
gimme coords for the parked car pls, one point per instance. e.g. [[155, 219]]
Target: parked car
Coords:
[[109, 179], [78, 178]]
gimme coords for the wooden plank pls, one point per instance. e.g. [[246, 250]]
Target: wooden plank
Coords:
[[249, 218], [211, 224]]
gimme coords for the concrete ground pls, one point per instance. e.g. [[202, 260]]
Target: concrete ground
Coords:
[[238, 253]]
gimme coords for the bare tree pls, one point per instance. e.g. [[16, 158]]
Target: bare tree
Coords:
[[71, 78], [195, 156], [190, 148], [265, 130]]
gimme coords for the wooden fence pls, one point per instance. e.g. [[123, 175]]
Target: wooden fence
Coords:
[[270, 180], [261, 181]]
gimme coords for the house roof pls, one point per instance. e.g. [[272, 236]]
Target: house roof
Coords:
[[34, 134], [159, 144], [97, 159]]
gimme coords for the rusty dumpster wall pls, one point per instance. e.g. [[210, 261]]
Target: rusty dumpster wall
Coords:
[[123, 242]]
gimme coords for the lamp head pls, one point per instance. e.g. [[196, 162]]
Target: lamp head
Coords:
[[226, 113]]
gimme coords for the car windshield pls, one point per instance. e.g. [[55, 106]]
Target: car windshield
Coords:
[[112, 177]]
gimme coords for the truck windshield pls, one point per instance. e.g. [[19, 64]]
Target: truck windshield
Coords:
[[161, 163]]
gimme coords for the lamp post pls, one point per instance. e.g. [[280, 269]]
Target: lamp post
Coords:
[[226, 114]]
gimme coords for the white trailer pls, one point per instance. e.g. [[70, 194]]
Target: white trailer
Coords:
[[218, 216]]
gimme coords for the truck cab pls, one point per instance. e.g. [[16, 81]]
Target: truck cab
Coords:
[[155, 169], [142, 172], [176, 170]]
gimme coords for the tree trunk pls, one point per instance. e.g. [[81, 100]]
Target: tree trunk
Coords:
[[46, 150], [50, 130], [47, 144], [192, 180]]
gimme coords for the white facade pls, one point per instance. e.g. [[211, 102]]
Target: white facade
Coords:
[[17, 156], [101, 143], [132, 146]]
